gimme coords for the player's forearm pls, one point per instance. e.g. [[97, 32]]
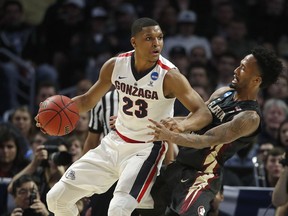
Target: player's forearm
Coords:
[[215, 136], [197, 120], [280, 194], [84, 104], [191, 140]]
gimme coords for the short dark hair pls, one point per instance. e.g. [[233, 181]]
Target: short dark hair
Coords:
[[140, 23], [274, 152], [22, 180], [269, 65]]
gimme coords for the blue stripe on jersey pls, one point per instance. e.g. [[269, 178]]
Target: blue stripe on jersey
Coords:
[[146, 169]]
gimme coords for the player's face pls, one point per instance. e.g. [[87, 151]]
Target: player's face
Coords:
[[246, 73], [148, 43]]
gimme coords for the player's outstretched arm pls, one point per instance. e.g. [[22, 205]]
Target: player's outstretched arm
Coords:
[[243, 124], [87, 101], [176, 85]]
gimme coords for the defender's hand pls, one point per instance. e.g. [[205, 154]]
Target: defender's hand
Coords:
[[172, 124], [160, 132]]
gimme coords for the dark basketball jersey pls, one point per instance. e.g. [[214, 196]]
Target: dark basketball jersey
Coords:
[[210, 159]]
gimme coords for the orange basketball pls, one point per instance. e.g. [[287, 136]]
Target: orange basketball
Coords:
[[58, 115]]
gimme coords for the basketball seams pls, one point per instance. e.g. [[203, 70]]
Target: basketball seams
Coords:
[[48, 110], [72, 111], [66, 107], [64, 111], [68, 115], [60, 123]]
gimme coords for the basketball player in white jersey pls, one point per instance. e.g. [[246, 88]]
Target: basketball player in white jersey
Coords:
[[147, 85]]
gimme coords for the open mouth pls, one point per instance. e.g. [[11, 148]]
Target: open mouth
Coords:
[[235, 80]]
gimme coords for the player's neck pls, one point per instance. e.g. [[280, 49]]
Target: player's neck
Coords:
[[142, 66], [243, 96]]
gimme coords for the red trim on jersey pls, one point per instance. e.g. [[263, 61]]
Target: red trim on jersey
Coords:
[[128, 140], [162, 65], [125, 54], [151, 175]]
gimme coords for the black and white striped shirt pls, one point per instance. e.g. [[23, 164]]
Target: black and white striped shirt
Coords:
[[100, 114]]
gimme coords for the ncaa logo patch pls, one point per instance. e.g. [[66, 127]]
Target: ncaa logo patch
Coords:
[[227, 94], [201, 211], [154, 75]]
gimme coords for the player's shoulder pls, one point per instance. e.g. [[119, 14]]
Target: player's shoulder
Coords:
[[219, 92], [110, 62], [125, 54], [119, 57], [173, 76], [165, 63], [250, 117]]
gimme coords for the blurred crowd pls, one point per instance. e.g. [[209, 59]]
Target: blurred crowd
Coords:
[[58, 47]]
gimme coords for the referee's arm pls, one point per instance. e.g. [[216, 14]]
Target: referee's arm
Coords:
[[91, 142]]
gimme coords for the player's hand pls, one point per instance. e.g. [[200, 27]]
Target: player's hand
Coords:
[[38, 124], [172, 124], [160, 133], [112, 121]]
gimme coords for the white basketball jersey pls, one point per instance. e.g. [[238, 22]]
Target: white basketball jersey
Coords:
[[142, 99]]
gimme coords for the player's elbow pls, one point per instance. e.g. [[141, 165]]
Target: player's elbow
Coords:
[[207, 116]]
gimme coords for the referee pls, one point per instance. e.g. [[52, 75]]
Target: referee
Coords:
[[99, 119]]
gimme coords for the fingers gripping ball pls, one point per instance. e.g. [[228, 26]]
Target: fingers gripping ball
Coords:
[[58, 115]]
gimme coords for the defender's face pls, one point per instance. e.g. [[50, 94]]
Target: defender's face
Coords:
[[246, 73], [148, 43]]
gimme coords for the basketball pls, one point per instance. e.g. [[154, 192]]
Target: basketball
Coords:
[[58, 115]]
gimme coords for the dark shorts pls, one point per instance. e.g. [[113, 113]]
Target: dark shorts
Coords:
[[184, 190]]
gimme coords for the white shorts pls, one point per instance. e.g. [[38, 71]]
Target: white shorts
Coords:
[[134, 165]]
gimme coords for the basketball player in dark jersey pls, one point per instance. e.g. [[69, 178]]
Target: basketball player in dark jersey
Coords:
[[192, 181]]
